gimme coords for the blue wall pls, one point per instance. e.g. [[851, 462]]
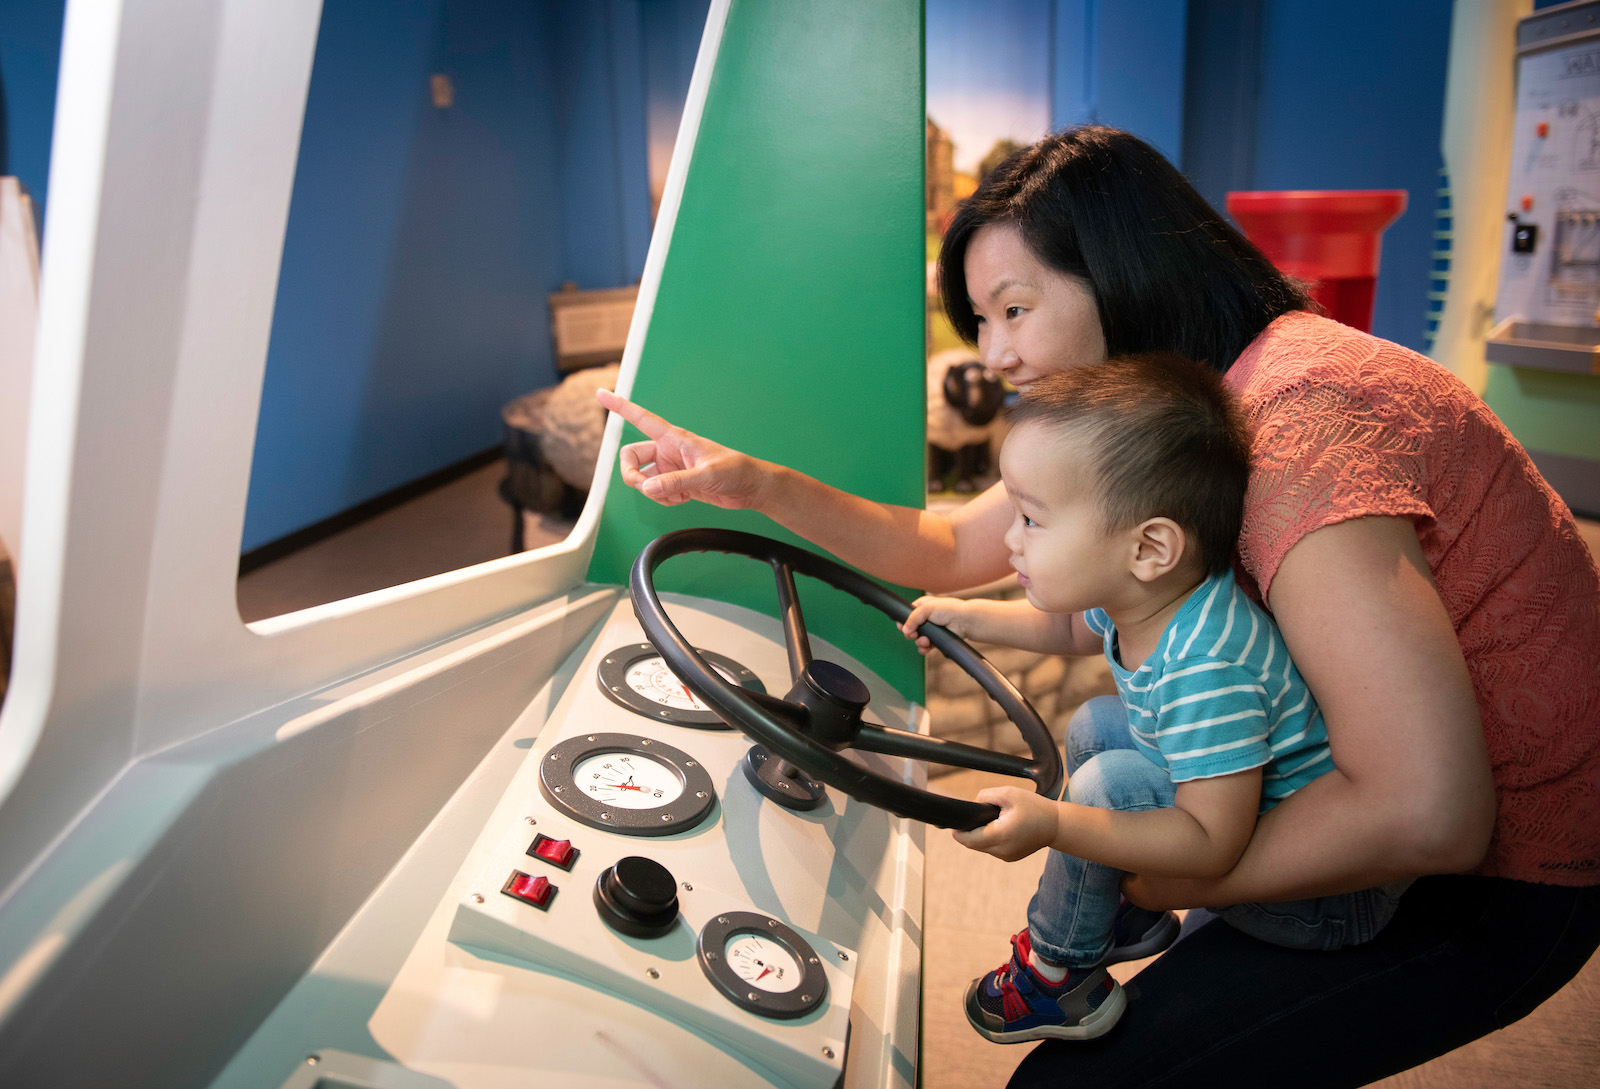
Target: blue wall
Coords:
[[1277, 94], [1121, 64], [422, 242], [30, 53], [600, 124], [1352, 97], [418, 243]]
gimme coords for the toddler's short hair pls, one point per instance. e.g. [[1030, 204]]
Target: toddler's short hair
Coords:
[[1165, 437]]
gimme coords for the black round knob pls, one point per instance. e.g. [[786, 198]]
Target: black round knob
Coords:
[[638, 897], [836, 683]]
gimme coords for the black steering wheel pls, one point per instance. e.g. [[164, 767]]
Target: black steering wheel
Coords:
[[821, 715]]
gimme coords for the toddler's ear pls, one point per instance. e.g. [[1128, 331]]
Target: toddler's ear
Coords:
[[1159, 546]]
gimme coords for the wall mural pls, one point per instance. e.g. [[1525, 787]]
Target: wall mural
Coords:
[[987, 95]]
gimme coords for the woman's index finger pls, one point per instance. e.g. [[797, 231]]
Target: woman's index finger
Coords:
[[637, 415]]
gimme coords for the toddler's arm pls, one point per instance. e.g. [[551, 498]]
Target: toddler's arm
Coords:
[[1011, 623], [1203, 835]]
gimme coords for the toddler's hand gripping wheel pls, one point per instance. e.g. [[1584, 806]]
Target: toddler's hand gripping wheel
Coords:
[[821, 716]]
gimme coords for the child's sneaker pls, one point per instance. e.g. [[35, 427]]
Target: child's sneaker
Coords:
[[1139, 932], [1014, 1003]]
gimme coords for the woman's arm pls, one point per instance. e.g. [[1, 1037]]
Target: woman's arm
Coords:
[[1412, 791], [901, 544]]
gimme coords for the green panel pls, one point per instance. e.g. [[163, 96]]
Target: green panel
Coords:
[[789, 318], [1547, 410]]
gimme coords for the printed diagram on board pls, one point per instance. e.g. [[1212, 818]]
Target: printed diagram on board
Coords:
[[1552, 266], [1585, 136], [1575, 257]]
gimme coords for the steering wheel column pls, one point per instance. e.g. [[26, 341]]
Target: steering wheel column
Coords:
[[833, 699]]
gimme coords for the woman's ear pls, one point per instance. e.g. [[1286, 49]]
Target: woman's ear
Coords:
[[1159, 546]]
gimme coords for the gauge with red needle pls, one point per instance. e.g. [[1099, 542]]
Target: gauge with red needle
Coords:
[[638, 678], [762, 962], [629, 780], [761, 965], [625, 783]]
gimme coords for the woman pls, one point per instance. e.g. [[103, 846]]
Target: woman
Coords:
[[1432, 589]]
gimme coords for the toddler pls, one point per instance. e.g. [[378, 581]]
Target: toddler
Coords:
[[1127, 479]]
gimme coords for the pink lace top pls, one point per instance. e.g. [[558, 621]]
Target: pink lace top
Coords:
[[1346, 426]]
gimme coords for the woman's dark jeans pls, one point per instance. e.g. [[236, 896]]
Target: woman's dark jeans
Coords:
[[1463, 956]]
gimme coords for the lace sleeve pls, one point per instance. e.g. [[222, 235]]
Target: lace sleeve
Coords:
[[1320, 456]]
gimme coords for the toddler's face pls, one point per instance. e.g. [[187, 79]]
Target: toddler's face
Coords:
[[1064, 559]]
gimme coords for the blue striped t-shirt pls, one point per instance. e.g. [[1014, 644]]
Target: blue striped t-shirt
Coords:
[[1220, 695]]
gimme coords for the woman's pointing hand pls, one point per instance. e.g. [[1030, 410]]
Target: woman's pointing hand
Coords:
[[672, 466]]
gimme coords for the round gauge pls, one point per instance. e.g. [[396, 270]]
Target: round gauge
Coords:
[[629, 780], [623, 783], [761, 965], [638, 678]]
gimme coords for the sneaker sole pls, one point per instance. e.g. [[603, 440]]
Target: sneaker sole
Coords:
[[1156, 940], [1098, 1023]]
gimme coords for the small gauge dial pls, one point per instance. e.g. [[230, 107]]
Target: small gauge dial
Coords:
[[762, 962], [639, 679], [654, 680], [624, 783], [629, 780], [761, 965]]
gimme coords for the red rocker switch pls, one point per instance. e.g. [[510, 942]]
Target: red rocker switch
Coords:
[[537, 891], [557, 852]]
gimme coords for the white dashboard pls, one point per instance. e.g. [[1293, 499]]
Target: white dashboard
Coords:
[[517, 982]]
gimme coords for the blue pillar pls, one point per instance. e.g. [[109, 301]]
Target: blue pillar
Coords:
[[1121, 64]]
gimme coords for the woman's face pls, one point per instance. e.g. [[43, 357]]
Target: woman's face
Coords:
[[1032, 320]]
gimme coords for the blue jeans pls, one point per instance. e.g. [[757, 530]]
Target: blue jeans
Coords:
[[1070, 917]]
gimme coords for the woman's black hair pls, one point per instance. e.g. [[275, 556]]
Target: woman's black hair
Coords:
[[1168, 274]]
